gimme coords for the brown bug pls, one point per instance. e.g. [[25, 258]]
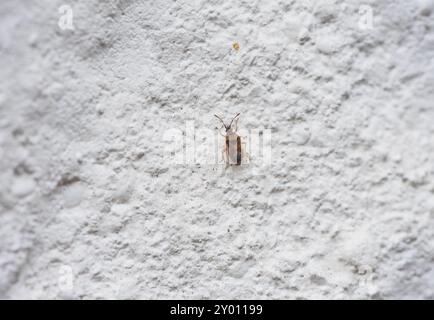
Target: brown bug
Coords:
[[233, 146]]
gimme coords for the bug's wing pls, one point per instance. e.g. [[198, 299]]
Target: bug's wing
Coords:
[[239, 150], [233, 144]]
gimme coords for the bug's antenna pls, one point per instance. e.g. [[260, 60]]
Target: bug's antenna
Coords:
[[220, 120], [233, 119]]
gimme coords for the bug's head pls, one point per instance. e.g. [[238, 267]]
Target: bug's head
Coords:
[[228, 128]]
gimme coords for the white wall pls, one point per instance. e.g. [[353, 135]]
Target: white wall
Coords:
[[91, 207]]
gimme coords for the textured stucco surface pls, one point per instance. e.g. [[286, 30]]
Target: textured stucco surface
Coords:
[[345, 210]]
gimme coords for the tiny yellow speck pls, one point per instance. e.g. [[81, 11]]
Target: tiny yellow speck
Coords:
[[236, 46]]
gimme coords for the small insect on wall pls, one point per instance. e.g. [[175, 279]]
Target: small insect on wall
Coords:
[[233, 148]]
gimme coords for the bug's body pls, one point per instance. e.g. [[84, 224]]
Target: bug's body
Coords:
[[233, 144], [233, 149]]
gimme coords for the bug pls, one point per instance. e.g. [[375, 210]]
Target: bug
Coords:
[[232, 151]]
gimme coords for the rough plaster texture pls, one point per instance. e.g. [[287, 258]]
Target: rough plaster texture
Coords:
[[345, 210]]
